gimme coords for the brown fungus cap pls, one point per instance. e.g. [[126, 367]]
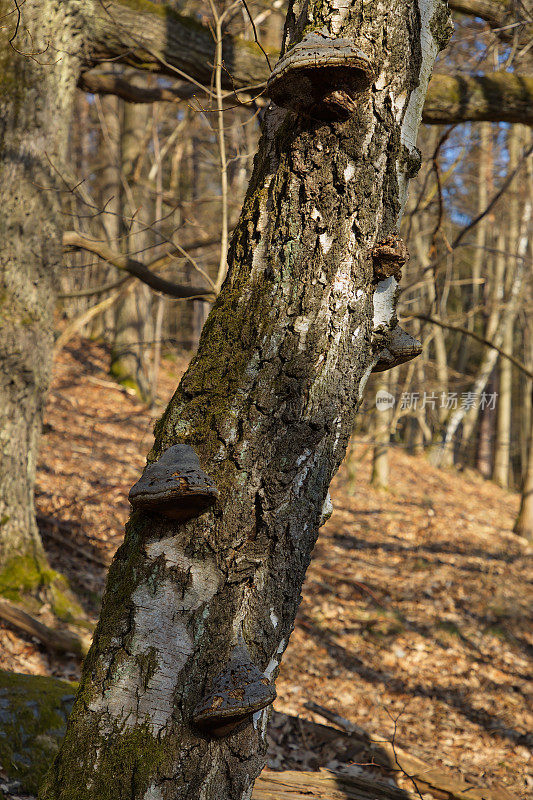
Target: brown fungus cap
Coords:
[[175, 485], [389, 257], [235, 695], [402, 347], [321, 77]]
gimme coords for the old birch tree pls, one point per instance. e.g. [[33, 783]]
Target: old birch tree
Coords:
[[48, 49], [267, 405]]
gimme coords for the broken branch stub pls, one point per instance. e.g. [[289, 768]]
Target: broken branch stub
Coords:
[[321, 77], [238, 692], [401, 347], [175, 485]]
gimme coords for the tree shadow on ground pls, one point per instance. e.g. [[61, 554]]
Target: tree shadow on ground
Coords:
[[454, 698]]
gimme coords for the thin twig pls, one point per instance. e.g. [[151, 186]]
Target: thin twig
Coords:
[[436, 321], [256, 37]]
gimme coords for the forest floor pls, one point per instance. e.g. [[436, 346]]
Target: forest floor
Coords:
[[416, 617]]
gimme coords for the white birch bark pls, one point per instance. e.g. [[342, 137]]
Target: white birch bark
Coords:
[[268, 404]]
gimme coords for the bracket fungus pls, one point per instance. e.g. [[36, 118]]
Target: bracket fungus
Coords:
[[320, 77], [235, 695], [401, 347], [389, 257], [175, 485]]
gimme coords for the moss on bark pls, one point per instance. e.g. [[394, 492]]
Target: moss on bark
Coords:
[[33, 716]]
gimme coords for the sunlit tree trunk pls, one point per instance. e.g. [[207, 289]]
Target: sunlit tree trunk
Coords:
[[380, 453], [133, 327], [517, 137], [36, 95], [268, 404], [524, 522], [503, 425], [110, 194]]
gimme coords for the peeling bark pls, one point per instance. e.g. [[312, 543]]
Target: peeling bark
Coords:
[[268, 405]]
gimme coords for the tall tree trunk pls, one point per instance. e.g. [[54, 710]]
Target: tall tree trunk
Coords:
[[502, 450], [517, 137], [524, 522], [133, 313], [486, 170], [465, 414], [380, 453], [526, 387], [487, 424], [110, 193], [268, 405], [36, 94]]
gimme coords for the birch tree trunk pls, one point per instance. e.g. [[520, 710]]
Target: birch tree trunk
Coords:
[[268, 405], [467, 416], [381, 431], [517, 137]]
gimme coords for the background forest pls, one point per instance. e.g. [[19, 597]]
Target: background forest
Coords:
[[156, 183], [422, 571]]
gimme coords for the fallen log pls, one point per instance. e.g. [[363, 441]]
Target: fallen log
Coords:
[[326, 785], [437, 780], [60, 641]]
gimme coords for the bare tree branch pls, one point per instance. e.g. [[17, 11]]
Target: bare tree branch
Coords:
[[74, 240], [494, 97], [500, 14], [61, 641], [435, 321], [157, 38]]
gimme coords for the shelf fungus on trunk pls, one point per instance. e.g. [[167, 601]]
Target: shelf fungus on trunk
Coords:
[[389, 258], [321, 77], [400, 348], [175, 485], [236, 694]]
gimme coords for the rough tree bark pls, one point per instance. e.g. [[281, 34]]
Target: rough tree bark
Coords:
[[268, 404], [36, 95], [45, 46]]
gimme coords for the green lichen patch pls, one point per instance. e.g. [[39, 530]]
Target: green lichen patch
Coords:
[[27, 580], [123, 767], [64, 605], [33, 717], [123, 377], [24, 575]]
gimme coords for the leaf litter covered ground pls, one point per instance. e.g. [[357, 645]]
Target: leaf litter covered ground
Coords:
[[415, 622]]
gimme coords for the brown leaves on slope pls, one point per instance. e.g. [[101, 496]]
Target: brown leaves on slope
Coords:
[[415, 622]]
